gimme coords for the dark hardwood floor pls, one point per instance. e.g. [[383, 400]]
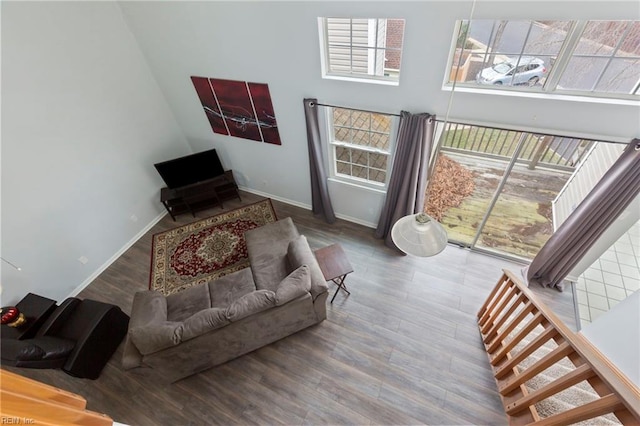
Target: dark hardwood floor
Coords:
[[403, 348]]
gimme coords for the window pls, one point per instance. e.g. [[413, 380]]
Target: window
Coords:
[[360, 146], [505, 191], [594, 58], [362, 48], [606, 58]]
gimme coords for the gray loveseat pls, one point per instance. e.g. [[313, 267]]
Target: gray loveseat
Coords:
[[281, 293]]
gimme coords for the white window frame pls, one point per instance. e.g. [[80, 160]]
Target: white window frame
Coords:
[[370, 77], [333, 144], [550, 87]]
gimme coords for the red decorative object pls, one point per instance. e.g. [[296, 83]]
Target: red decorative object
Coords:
[[238, 108], [12, 317]]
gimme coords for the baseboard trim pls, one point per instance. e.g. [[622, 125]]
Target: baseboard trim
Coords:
[[116, 255], [275, 197], [306, 206], [356, 220], [158, 218]]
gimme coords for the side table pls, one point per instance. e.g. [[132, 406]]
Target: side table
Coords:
[[334, 265], [36, 309]]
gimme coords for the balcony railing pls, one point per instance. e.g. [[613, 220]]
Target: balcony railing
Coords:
[[539, 150]]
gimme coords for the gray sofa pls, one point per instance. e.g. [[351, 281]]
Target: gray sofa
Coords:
[[282, 292]]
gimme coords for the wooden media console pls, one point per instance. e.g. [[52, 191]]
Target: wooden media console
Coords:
[[199, 196]]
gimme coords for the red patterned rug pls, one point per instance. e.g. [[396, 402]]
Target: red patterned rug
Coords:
[[205, 250]]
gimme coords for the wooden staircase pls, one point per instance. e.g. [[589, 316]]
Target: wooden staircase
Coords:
[[26, 401], [525, 340]]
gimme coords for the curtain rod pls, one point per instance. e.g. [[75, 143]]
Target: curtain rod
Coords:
[[367, 110], [488, 126], [356, 109]]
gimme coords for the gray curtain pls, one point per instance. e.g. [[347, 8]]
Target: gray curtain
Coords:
[[320, 201], [612, 194], [408, 181]]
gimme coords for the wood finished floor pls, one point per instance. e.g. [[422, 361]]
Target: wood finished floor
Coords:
[[404, 348]]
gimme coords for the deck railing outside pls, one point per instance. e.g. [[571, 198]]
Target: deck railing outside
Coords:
[[540, 150]]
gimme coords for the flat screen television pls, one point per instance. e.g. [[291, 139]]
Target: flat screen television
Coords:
[[191, 169]]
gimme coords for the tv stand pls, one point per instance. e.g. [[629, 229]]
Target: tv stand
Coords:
[[200, 196]]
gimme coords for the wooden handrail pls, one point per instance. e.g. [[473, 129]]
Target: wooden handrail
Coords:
[[35, 389], [510, 314], [27, 401]]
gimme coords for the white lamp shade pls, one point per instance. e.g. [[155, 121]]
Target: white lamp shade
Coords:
[[419, 235]]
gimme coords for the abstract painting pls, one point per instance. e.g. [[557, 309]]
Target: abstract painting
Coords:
[[238, 108]]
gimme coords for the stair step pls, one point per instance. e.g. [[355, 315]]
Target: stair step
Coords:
[[533, 354]]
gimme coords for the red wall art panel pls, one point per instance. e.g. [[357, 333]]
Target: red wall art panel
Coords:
[[264, 112], [238, 108], [203, 89]]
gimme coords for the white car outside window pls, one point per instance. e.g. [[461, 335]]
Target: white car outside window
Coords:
[[529, 71]]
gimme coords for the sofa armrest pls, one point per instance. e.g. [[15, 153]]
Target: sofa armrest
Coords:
[[299, 253], [149, 330], [156, 337], [148, 308]]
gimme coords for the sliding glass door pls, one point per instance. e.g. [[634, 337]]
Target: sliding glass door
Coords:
[[493, 189]]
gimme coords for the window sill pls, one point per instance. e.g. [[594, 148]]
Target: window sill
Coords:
[[361, 80], [543, 95], [381, 191]]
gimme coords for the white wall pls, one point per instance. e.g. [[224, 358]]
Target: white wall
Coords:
[[83, 121], [615, 334], [277, 43]]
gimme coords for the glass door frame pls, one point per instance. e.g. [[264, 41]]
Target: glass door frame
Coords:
[[525, 135]]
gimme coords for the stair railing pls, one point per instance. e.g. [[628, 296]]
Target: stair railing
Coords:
[[513, 325], [27, 401]]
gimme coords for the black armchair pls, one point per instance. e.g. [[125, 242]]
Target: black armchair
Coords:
[[80, 336]]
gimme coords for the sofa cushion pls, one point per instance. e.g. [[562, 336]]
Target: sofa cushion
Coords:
[[299, 253], [267, 249], [155, 337], [293, 286], [228, 288], [252, 303], [268, 274], [271, 239], [203, 322], [187, 302]]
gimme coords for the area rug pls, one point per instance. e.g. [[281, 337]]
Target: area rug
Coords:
[[206, 249]]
